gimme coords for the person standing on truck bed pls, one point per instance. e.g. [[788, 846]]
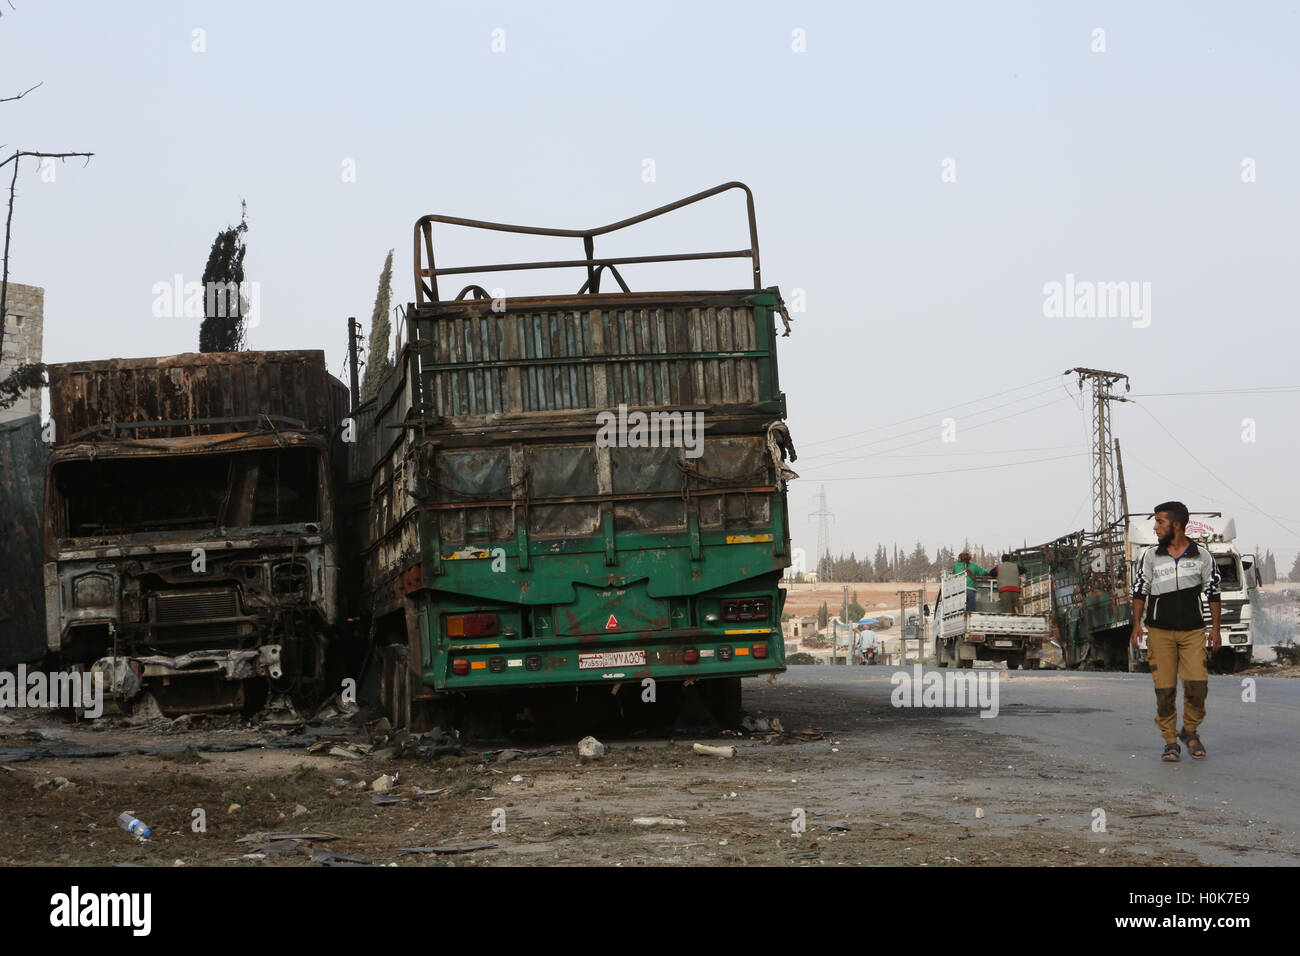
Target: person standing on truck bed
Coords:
[[1173, 575], [964, 564], [1008, 574]]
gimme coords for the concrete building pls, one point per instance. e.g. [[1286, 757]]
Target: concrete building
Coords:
[[24, 336]]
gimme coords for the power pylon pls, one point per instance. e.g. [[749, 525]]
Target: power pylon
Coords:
[[824, 518], [1105, 504]]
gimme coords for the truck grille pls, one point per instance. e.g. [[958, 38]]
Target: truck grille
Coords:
[[188, 619], [179, 607]]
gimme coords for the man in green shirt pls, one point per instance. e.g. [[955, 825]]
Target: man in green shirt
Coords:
[[964, 564]]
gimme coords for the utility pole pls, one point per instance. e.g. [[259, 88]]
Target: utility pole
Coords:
[[1104, 505], [354, 332], [1123, 488], [848, 659]]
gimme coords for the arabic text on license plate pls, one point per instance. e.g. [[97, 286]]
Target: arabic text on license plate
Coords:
[[1004, 643], [610, 659]]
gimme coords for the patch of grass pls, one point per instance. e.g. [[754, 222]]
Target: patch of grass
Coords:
[[800, 658]]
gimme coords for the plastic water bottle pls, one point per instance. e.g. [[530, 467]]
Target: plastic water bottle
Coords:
[[131, 825]]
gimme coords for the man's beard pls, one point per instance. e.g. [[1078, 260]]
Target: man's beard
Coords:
[[1167, 538]]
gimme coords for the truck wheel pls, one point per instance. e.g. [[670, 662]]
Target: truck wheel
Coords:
[[723, 697]]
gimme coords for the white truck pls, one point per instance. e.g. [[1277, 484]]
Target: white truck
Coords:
[[1239, 580], [986, 634]]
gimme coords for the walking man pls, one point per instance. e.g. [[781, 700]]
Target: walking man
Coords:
[[1172, 576]]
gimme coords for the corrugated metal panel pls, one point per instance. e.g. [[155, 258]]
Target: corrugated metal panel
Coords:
[[560, 356], [22, 499], [192, 386]]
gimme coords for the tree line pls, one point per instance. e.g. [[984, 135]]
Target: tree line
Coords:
[[897, 564]]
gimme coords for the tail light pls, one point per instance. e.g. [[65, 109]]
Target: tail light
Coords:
[[760, 651], [471, 625], [460, 666], [747, 609], [975, 638], [691, 655]]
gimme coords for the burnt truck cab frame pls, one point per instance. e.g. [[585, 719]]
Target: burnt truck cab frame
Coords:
[[187, 565]]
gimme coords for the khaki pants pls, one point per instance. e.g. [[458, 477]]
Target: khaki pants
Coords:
[[1174, 654], [1010, 601]]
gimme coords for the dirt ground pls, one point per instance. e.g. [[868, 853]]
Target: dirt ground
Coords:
[[803, 599], [865, 794]]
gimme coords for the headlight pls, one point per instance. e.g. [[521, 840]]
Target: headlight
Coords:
[[93, 590]]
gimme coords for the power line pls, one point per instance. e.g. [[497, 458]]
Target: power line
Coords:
[[1262, 390], [904, 421], [926, 441], [995, 451], [950, 471], [1242, 497]]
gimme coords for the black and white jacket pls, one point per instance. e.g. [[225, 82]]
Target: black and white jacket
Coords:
[[1172, 587]]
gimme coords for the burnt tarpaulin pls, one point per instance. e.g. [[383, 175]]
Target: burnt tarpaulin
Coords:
[[22, 499]]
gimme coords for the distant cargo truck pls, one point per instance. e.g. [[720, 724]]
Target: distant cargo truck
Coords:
[[583, 490], [191, 548], [963, 637]]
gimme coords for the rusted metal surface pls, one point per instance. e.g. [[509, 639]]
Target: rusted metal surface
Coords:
[[192, 541], [427, 272], [22, 495], [540, 355], [194, 394]]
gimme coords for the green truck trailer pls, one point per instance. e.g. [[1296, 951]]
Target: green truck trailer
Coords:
[[1090, 601], [581, 492]]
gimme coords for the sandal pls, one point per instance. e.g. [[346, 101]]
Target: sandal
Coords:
[[1171, 752], [1194, 745]]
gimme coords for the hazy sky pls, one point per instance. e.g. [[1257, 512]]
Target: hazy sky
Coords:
[[921, 171]]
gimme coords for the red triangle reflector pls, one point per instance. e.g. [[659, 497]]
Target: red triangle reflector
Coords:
[[612, 623]]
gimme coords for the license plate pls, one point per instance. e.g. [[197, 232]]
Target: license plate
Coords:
[[1004, 643], [610, 659]]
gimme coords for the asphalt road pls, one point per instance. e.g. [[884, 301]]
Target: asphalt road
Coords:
[[1239, 805]]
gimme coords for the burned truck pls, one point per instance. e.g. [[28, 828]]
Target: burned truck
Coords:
[[190, 544], [535, 542]]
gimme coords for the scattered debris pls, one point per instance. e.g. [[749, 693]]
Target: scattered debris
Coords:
[[55, 783], [385, 800], [708, 751], [979, 813], [658, 822], [436, 743], [286, 835], [133, 826], [300, 810], [329, 858], [348, 752], [517, 778], [383, 784], [755, 725], [506, 756], [589, 748], [446, 850]]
